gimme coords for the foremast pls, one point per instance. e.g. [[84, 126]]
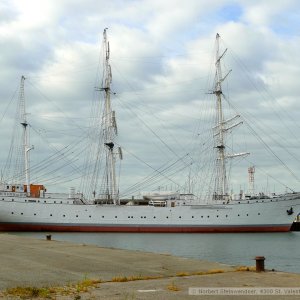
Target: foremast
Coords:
[[110, 127], [221, 127]]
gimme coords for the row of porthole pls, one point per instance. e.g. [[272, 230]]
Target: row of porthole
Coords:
[[257, 201], [192, 216], [39, 201], [142, 217]]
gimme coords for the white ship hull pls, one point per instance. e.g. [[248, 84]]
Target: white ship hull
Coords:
[[264, 215]]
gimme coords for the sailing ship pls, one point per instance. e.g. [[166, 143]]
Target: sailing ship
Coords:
[[29, 207]]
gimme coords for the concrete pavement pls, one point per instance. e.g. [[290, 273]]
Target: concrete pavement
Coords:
[[28, 262]]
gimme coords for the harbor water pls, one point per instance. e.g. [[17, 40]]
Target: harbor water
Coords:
[[280, 249]]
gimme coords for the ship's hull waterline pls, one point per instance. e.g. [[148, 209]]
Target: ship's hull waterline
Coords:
[[264, 215], [30, 227]]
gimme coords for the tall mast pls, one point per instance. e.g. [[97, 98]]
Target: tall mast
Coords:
[[25, 134], [221, 181], [221, 127], [110, 128]]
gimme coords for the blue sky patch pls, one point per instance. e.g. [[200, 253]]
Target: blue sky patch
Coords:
[[230, 12]]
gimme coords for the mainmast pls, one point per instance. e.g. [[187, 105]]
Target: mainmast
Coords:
[[110, 127], [24, 124], [221, 127]]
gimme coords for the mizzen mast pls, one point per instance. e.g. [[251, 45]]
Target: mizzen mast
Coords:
[[24, 124]]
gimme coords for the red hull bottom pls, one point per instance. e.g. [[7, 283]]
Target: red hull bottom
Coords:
[[145, 229]]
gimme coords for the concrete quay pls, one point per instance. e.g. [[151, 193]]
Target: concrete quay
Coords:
[[62, 270]]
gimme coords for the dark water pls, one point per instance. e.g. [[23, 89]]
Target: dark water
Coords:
[[282, 250]]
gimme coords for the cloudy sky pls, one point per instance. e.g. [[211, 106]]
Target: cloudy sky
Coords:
[[162, 60]]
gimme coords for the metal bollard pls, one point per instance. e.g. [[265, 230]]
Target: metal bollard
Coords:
[[260, 263], [48, 237]]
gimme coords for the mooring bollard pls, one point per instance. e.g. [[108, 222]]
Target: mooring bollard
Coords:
[[48, 237], [260, 263]]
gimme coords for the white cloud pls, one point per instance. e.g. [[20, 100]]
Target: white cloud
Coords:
[[266, 13]]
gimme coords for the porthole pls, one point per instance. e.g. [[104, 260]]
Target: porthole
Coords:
[[226, 216], [239, 202], [217, 216], [192, 217], [60, 202], [238, 215], [54, 201], [201, 216], [167, 217], [45, 201], [259, 214], [64, 215], [22, 214], [34, 214], [90, 216], [50, 215], [102, 216], [208, 216], [154, 217], [25, 200], [12, 200], [128, 217], [76, 216], [116, 217], [2, 198], [12, 213], [247, 215], [179, 217], [131, 217]]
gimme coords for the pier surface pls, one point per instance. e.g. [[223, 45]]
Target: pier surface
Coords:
[[124, 274]]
